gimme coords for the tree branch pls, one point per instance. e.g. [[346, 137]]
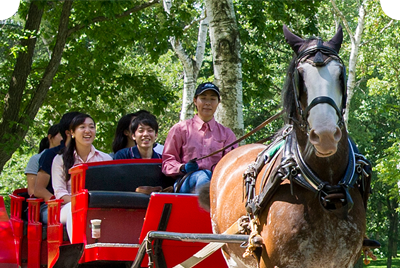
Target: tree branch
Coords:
[[123, 14], [201, 41], [47, 79], [187, 27], [376, 36], [346, 24], [9, 128], [22, 69]]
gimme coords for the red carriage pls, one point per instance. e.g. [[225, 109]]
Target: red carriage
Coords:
[[138, 230]]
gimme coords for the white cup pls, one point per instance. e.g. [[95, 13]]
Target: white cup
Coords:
[[96, 224]]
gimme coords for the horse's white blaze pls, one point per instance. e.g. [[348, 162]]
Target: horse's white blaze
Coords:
[[323, 81]]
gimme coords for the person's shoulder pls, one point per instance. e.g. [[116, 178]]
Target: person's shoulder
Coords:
[[122, 154], [49, 154], [104, 155], [180, 124], [158, 148], [58, 159], [156, 155], [33, 164], [178, 128], [223, 127], [35, 157]]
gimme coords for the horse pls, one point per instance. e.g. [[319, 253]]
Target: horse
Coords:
[[301, 198]]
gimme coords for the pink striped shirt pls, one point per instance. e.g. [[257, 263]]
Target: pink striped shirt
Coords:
[[194, 138]]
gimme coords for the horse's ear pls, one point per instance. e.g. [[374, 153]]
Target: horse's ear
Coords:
[[293, 40], [336, 41]]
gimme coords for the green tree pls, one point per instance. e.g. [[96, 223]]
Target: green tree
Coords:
[[374, 122], [69, 55]]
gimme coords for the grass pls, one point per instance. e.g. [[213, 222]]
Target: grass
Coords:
[[381, 263]]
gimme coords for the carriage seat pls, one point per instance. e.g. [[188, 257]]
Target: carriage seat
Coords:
[[118, 199], [112, 184]]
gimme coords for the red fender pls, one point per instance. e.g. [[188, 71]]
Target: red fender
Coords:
[[8, 250]]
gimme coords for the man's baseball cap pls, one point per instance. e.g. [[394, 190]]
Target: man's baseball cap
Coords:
[[207, 86]]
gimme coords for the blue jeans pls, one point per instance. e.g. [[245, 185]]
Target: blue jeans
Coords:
[[194, 181], [43, 213]]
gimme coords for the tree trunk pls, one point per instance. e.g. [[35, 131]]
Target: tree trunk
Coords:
[[224, 36], [15, 121], [393, 225], [355, 45], [395, 232], [191, 67], [359, 263]]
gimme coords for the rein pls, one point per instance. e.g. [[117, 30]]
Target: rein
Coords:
[[263, 124]]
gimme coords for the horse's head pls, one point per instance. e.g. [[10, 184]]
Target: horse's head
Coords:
[[316, 90]]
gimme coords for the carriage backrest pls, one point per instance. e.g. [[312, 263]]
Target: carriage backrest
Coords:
[[119, 175], [124, 177]]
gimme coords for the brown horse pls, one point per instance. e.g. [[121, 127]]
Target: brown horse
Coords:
[[306, 205]]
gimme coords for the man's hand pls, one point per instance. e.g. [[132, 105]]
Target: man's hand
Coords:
[[191, 166]]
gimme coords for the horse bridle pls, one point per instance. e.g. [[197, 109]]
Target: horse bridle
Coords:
[[318, 51]]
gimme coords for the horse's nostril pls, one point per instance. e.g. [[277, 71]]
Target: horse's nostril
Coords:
[[337, 135], [314, 138]]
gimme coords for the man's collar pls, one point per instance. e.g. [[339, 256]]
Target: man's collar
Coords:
[[199, 123], [135, 152]]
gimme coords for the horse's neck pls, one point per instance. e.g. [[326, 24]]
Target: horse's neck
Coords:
[[331, 169]]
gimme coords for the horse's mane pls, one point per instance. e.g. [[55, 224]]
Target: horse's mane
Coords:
[[288, 101]]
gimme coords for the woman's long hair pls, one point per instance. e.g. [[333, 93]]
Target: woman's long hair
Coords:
[[68, 154], [120, 139], [44, 144]]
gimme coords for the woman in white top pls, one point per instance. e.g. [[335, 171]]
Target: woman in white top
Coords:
[[79, 150]]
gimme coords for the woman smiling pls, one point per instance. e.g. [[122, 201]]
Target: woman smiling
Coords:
[[80, 150]]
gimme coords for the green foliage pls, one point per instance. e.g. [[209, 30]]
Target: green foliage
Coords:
[[266, 56], [374, 117], [114, 64], [13, 176]]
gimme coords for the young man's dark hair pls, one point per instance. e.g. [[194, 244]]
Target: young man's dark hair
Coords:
[[146, 119]]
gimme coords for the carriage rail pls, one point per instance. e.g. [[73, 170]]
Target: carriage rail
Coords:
[[146, 246]]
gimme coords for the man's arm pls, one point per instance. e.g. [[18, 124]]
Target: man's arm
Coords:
[[171, 162], [42, 180]]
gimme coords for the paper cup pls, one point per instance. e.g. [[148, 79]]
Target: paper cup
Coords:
[[96, 224]]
